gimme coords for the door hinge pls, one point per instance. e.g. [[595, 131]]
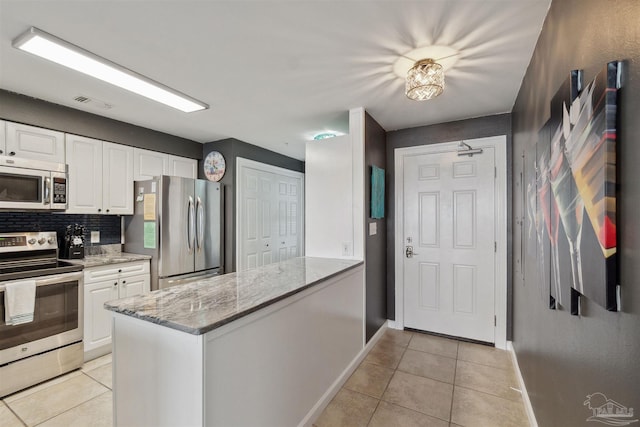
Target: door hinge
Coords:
[[495, 246], [495, 321]]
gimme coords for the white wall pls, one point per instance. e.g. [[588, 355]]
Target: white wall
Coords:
[[334, 193], [356, 135], [328, 197]]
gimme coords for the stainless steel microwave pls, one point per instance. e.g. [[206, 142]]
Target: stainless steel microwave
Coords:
[[32, 185]]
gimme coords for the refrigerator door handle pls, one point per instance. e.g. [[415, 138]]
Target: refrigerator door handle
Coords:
[[190, 225], [199, 224]]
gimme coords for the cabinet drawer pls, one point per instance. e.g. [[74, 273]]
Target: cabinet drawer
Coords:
[[115, 271], [133, 268]]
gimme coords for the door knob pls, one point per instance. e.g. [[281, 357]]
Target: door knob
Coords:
[[409, 252]]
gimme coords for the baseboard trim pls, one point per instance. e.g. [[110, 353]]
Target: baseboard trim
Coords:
[[320, 406], [525, 395]]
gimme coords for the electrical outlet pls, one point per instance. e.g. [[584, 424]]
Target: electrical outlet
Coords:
[[95, 237], [346, 249]]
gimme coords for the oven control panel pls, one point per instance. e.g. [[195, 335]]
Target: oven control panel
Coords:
[[12, 241], [29, 241]]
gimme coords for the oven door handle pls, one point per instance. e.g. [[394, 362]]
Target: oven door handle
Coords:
[[51, 280]]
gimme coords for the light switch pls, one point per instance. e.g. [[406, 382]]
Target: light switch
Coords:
[[373, 228], [95, 237]]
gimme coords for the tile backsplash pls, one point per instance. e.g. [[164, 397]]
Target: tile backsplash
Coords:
[[107, 225]]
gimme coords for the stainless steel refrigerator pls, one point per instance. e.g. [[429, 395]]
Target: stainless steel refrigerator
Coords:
[[178, 222]]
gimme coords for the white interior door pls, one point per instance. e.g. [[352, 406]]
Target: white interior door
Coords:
[[270, 214], [258, 224], [288, 199], [449, 261]]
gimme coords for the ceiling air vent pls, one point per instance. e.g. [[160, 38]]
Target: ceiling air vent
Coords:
[[92, 102]]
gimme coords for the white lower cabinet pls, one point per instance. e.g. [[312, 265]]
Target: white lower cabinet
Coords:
[[106, 283]]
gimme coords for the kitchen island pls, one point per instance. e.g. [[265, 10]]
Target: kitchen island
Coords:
[[260, 347]]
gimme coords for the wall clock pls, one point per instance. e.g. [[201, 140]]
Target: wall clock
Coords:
[[214, 166]]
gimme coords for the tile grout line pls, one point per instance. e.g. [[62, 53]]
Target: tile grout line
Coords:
[[453, 390], [489, 394], [73, 407], [387, 386], [14, 413], [484, 364], [404, 407]]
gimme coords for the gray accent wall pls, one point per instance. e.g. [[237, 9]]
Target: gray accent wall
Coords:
[[480, 127], [564, 358], [19, 108], [231, 149], [375, 245]]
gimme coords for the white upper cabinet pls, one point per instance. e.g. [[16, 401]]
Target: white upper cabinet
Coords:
[[117, 185], [34, 143], [84, 158], [147, 164], [100, 176], [182, 166], [3, 130]]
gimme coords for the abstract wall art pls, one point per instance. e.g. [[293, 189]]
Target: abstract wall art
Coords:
[[573, 206], [377, 192]]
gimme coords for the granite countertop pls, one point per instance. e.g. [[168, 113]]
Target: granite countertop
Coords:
[[107, 258], [206, 304]]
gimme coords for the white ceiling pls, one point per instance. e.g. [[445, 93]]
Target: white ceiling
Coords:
[[276, 72]]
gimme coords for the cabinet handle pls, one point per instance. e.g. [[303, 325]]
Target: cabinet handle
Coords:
[[1, 151], [99, 210], [124, 281], [120, 271], [13, 153], [115, 284], [107, 210]]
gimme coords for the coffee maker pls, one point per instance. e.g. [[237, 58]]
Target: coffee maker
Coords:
[[73, 242]]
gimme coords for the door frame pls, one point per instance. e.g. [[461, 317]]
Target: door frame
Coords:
[[241, 165], [499, 143]]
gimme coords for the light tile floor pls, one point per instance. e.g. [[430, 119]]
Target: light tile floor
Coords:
[[80, 398], [407, 379], [412, 379]]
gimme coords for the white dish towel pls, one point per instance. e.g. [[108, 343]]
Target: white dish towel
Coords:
[[19, 301]]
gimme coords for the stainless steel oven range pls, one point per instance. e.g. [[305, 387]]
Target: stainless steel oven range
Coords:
[[51, 344]]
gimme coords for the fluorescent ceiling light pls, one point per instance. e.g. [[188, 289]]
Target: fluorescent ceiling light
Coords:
[[64, 53]]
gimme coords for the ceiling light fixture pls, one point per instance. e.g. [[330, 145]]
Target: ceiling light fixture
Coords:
[[324, 135], [425, 80], [45, 45]]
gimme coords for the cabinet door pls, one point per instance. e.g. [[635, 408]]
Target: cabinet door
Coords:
[[136, 285], [34, 143], [117, 185], [182, 166], [3, 130], [97, 320], [84, 157], [147, 164]]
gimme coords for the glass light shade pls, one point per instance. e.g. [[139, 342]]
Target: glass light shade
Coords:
[[425, 80]]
